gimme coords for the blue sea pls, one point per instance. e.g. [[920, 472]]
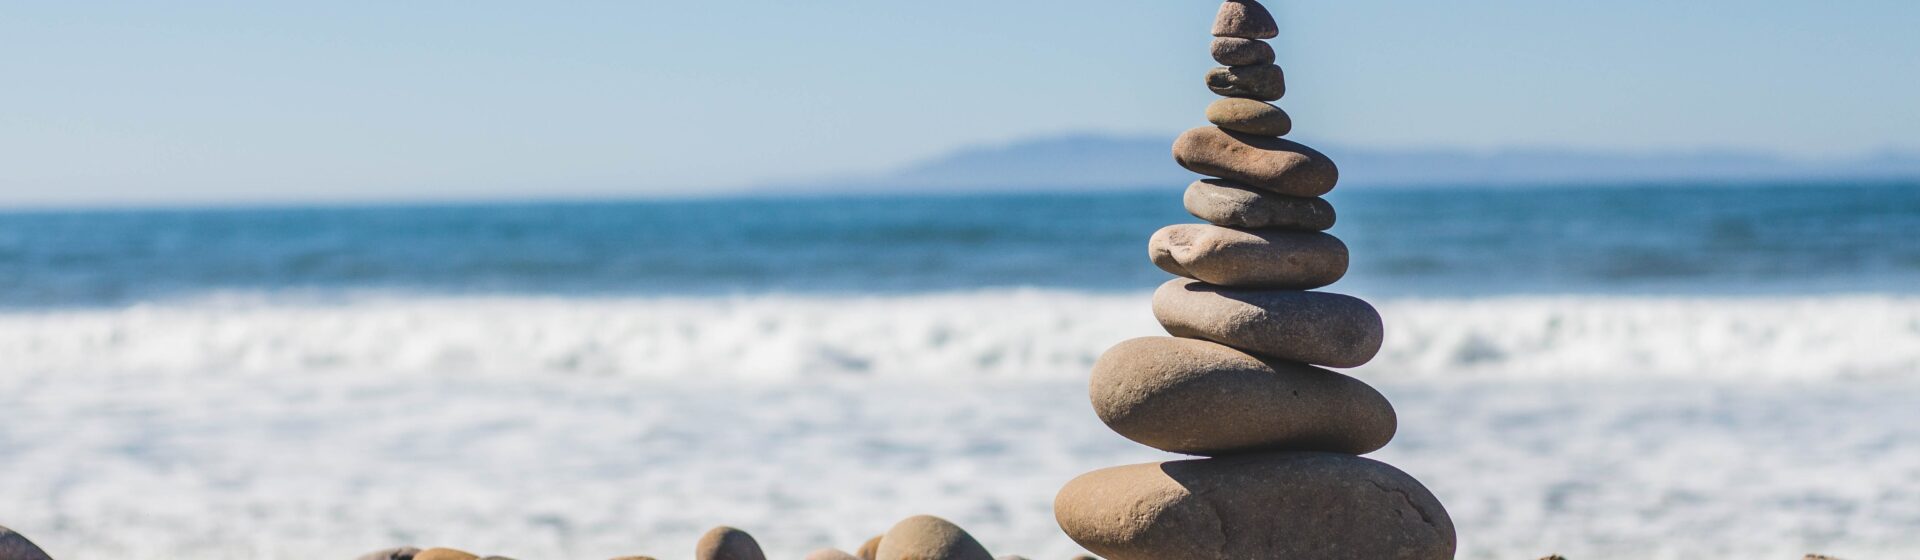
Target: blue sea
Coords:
[[1653, 371]]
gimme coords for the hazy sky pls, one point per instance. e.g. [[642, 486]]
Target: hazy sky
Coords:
[[184, 101]]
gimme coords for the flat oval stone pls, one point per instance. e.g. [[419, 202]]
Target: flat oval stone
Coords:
[[830, 554], [1294, 260], [1274, 164], [925, 537], [1298, 506], [1226, 203], [727, 543], [1318, 328], [1245, 19], [1200, 398], [14, 546], [1264, 82], [1250, 117], [1234, 51]]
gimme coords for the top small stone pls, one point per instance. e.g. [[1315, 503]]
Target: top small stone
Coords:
[[1245, 19]]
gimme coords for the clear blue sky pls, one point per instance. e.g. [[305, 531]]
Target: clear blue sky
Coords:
[[185, 101]]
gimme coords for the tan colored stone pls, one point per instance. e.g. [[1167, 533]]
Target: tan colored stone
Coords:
[[727, 543], [870, 549], [1226, 203], [1246, 19], [1264, 82], [1318, 328], [925, 537], [1294, 260], [1298, 506], [634, 558], [1200, 398], [14, 546], [1234, 51], [445, 554], [1250, 117], [831, 554], [1277, 165]]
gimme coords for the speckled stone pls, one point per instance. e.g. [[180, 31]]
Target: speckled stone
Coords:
[[1245, 19], [1234, 51], [1295, 260], [727, 543], [1250, 117], [925, 537], [1200, 398], [1264, 82], [1297, 506], [1274, 164], [1226, 203], [1318, 328]]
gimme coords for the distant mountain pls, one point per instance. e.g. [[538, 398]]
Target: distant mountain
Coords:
[[1097, 162]]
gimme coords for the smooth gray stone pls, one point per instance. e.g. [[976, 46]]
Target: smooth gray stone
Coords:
[[1245, 19], [1293, 260], [1275, 164], [1200, 398], [14, 546], [1297, 506], [1226, 203], [1234, 51], [727, 543], [1264, 82], [1318, 328]]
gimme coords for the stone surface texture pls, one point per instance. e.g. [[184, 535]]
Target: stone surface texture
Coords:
[[1245, 19], [1200, 398], [727, 543], [1277, 165], [445, 554], [1248, 116], [1297, 506], [1234, 51], [1265, 82], [925, 537], [1299, 260], [1318, 328], [1226, 203]]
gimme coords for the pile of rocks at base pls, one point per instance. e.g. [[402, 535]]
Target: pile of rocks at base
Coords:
[[922, 537], [1241, 381]]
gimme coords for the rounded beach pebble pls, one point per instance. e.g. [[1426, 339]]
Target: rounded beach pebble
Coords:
[[14, 546], [1250, 117], [925, 537], [1299, 260], [1298, 506], [1234, 51], [400, 553], [1201, 398], [1264, 82], [727, 543], [1226, 203], [1277, 165], [445, 554], [1245, 19], [871, 549], [1318, 328]]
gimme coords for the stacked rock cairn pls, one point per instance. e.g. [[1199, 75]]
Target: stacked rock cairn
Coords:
[[1240, 383]]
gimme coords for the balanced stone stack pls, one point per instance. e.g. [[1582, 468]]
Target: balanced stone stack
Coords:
[[1241, 382]]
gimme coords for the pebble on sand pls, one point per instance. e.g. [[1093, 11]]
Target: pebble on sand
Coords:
[[1300, 506], [1277, 165], [727, 543], [1264, 82], [1200, 398], [1226, 203], [1295, 260], [1318, 328], [1245, 19], [925, 537]]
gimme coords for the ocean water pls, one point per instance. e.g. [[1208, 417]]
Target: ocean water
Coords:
[[1664, 371]]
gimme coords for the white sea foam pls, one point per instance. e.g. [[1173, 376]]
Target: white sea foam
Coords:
[[1658, 428], [994, 334]]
